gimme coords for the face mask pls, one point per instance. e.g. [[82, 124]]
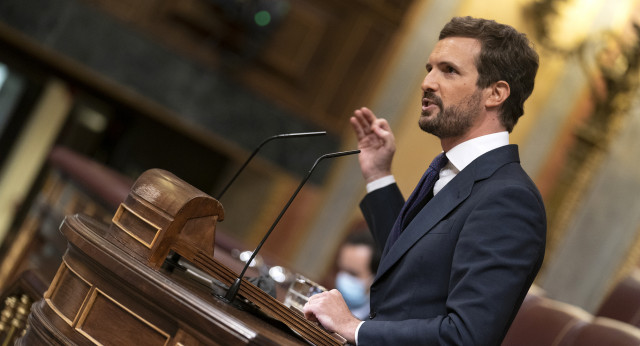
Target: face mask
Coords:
[[353, 290]]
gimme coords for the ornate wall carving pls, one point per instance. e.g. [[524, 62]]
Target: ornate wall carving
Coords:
[[612, 63]]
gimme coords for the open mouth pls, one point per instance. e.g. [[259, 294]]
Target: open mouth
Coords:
[[428, 104], [431, 103]]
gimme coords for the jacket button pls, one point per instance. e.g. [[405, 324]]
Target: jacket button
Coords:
[[372, 315]]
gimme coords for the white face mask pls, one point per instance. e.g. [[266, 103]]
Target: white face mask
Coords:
[[353, 290]]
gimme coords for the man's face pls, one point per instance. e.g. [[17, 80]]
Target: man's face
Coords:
[[451, 101]]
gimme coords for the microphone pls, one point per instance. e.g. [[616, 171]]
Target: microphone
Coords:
[[233, 289], [173, 259], [284, 135]]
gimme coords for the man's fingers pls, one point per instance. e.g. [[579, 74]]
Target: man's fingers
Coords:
[[310, 316], [308, 313], [383, 131], [357, 127], [368, 115], [363, 122], [383, 124]]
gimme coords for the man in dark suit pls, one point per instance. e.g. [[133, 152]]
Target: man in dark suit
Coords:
[[459, 256]]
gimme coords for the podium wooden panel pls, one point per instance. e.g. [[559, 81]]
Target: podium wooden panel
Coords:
[[112, 288]]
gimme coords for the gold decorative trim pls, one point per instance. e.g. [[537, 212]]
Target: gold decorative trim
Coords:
[[87, 308], [116, 221], [54, 286], [54, 283]]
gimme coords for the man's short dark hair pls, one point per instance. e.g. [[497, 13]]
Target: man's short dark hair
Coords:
[[505, 54], [365, 238]]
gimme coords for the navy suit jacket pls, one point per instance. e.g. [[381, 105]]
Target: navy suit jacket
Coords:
[[460, 270]]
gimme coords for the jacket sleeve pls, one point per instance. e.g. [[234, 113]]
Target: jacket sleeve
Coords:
[[380, 209]]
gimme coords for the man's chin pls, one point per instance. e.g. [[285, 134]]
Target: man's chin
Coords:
[[425, 118], [426, 124]]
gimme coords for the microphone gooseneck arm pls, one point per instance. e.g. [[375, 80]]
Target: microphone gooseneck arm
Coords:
[[233, 289], [284, 135]]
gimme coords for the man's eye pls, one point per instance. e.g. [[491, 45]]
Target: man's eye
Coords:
[[450, 69]]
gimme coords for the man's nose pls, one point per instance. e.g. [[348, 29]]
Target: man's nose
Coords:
[[429, 82]]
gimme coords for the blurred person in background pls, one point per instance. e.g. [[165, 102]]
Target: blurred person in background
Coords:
[[357, 263]]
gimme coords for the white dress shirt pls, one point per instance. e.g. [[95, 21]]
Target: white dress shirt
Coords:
[[459, 157]]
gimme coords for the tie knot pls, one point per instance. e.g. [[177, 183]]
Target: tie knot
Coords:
[[439, 162]]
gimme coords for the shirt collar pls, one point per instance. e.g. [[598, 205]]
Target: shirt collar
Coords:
[[464, 153]]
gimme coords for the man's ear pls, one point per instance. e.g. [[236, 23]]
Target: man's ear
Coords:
[[499, 91]]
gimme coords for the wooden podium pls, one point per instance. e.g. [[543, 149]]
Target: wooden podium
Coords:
[[112, 288]]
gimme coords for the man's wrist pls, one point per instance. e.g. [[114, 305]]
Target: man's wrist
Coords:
[[375, 175], [349, 330]]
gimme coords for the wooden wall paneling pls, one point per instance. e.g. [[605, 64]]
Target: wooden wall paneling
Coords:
[[316, 61]]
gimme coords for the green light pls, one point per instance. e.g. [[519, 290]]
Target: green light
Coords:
[[262, 18]]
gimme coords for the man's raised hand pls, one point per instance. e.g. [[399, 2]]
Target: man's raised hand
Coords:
[[376, 143]]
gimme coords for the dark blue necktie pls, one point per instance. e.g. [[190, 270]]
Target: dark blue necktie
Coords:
[[419, 197]]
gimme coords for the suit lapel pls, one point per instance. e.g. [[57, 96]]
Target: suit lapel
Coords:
[[454, 193]]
